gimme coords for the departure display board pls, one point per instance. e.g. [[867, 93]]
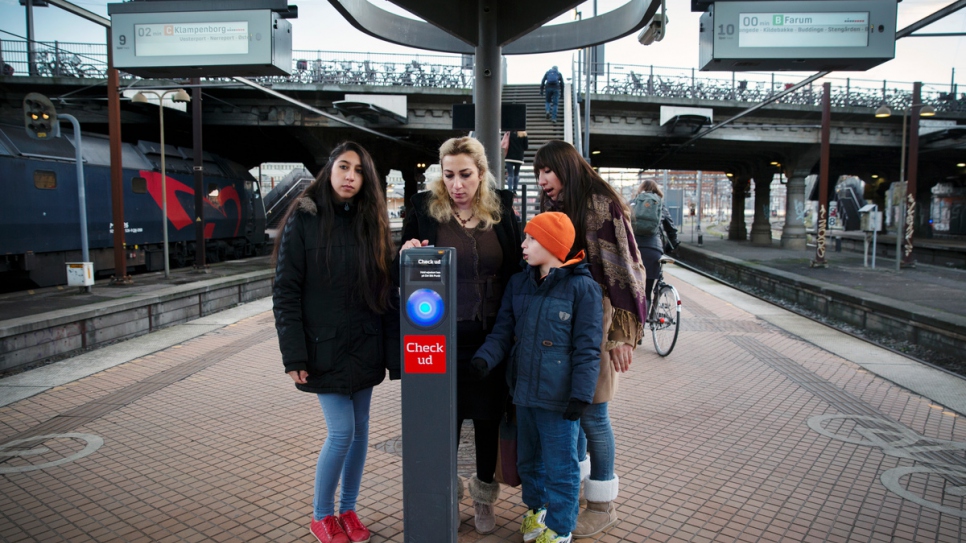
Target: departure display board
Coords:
[[802, 35], [215, 38], [803, 29], [184, 43]]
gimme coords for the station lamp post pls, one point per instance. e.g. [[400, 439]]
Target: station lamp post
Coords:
[[907, 217], [180, 96]]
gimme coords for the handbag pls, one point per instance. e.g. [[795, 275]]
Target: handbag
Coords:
[[506, 453], [505, 143]]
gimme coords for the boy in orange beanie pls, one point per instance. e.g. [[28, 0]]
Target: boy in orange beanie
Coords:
[[553, 310]]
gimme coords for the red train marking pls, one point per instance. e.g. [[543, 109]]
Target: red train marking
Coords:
[[176, 212]]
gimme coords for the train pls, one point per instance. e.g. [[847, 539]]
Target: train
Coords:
[[40, 213]]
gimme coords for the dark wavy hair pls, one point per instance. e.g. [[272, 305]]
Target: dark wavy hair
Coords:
[[579, 182], [370, 226]]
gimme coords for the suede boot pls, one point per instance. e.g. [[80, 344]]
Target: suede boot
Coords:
[[484, 496], [459, 489], [601, 514]]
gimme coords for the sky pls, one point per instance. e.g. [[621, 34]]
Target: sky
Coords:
[[320, 27]]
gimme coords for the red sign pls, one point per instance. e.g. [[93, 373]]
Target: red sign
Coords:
[[424, 354]]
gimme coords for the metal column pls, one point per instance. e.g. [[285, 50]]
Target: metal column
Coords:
[[199, 176], [912, 171], [489, 85], [820, 261]]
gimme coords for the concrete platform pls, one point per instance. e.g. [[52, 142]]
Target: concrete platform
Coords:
[[925, 305], [760, 426], [39, 325]]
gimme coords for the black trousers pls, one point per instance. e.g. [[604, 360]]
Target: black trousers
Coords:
[[487, 441]]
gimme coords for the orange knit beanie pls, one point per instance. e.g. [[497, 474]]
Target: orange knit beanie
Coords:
[[554, 231]]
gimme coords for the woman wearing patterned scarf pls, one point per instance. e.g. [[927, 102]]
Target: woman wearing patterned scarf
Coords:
[[602, 222]]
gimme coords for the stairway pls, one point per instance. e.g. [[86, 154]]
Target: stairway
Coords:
[[539, 131]]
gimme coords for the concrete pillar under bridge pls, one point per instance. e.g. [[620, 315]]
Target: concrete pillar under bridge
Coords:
[[737, 231], [793, 232], [761, 225]]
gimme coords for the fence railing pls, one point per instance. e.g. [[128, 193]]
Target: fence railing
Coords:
[[57, 59], [753, 87], [87, 60], [63, 59]]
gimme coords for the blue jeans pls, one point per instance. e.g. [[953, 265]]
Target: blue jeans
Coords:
[[512, 175], [553, 98], [597, 438], [547, 463], [344, 451]]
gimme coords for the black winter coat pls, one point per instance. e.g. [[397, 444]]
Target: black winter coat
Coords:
[[323, 326]]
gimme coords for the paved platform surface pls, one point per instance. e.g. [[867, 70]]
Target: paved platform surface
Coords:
[[927, 286], [760, 426]]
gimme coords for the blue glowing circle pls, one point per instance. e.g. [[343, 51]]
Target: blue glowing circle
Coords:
[[425, 307]]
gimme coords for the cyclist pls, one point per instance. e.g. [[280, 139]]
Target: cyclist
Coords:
[[663, 240]]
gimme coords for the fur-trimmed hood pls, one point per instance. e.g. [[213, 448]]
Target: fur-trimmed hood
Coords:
[[307, 205]]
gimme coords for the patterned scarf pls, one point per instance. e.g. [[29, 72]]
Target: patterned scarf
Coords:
[[615, 263]]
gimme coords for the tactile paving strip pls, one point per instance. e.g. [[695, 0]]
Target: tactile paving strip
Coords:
[[868, 418]]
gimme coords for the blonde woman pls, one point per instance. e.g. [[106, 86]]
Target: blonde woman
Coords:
[[464, 209]]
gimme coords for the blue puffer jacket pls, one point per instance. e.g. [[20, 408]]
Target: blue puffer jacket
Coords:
[[557, 326]]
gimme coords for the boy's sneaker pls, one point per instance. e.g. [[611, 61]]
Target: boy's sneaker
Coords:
[[328, 530], [533, 526], [550, 536], [354, 528]]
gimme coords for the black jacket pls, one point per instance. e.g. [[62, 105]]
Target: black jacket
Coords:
[[517, 147], [323, 326], [655, 241]]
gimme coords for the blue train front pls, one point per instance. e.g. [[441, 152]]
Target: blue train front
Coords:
[[39, 215]]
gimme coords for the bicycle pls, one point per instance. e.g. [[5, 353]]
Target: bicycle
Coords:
[[664, 314]]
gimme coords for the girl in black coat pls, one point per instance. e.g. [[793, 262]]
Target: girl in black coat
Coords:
[[336, 313], [465, 210]]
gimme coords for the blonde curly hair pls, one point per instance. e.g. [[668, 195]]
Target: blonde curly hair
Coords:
[[486, 203]]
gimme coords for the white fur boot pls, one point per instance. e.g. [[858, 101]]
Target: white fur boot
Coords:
[[600, 514]]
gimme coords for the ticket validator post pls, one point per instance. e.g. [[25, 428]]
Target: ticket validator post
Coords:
[[428, 336]]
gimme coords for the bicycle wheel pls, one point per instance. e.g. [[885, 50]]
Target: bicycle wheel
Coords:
[[666, 319]]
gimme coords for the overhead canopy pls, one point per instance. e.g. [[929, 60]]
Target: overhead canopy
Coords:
[[454, 27]]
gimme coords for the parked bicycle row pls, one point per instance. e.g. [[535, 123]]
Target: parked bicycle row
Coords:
[[753, 91], [60, 63], [350, 72]]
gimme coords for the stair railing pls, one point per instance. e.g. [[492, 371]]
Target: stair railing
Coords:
[[571, 108], [283, 202]]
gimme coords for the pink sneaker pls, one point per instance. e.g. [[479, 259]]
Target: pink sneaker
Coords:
[[329, 530], [354, 528]]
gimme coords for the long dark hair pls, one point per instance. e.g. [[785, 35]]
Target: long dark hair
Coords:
[[579, 182], [370, 226]]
